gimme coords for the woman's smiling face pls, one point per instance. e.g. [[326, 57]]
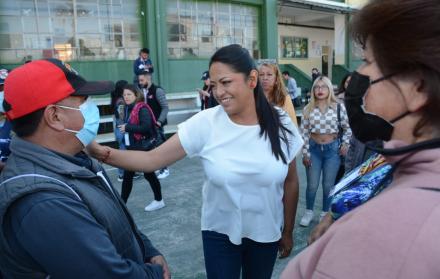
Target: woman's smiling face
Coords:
[[232, 90]]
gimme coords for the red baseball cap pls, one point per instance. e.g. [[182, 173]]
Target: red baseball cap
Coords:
[[40, 83]]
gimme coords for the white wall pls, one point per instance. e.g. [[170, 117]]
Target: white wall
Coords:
[[340, 35], [316, 39]]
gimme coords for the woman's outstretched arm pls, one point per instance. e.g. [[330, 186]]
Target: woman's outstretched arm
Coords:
[[143, 161]]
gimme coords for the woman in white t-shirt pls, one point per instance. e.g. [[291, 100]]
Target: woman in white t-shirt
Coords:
[[248, 150]]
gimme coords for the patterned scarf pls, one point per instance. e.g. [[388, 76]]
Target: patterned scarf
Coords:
[[134, 118], [374, 175]]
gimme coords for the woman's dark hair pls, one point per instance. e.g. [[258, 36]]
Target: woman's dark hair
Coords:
[[341, 88], [239, 60], [117, 93], [404, 36], [137, 92]]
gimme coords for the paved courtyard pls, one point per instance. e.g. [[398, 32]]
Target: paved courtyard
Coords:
[[175, 229]]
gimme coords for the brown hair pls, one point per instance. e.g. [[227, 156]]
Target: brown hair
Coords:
[[137, 92], [404, 36], [278, 94]]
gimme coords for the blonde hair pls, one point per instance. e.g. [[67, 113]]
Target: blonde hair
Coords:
[[331, 99], [278, 94]]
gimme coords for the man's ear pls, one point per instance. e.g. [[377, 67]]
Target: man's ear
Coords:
[[53, 117], [253, 79]]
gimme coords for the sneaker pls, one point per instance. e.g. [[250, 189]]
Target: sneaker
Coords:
[[155, 205], [307, 218], [120, 178], [163, 173], [322, 215]]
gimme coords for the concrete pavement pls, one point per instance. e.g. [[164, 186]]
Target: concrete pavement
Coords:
[[175, 229]]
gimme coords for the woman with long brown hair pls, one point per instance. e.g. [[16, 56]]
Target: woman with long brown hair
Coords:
[[274, 88], [139, 133]]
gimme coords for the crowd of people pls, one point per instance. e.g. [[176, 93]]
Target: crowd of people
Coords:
[[379, 216]]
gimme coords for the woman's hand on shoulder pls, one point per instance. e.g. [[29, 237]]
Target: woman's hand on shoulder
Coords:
[[99, 152]]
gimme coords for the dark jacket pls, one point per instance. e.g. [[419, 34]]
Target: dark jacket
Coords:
[[147, 64], [145, 127], [5, 139], [82, 230], [157, 100], [208, 102]]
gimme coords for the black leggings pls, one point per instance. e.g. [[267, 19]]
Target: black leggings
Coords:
[[127, 185]]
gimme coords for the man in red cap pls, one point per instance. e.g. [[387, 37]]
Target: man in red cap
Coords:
[[60, 216]]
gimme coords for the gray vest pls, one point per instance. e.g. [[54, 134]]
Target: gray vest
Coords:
[[99, 197]]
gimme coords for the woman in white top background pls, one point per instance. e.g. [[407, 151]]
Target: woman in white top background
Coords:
[[247, 148], [322, 149]]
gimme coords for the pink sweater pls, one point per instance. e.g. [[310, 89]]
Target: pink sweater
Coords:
[[394, 235]]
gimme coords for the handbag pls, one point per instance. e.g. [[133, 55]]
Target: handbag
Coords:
[[148, 144], [141, 141], [360, 185]]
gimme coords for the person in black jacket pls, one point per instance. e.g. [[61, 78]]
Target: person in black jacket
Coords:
[[140, 133], [206, 97]]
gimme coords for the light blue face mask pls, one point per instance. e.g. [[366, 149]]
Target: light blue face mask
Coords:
[[90, 112]]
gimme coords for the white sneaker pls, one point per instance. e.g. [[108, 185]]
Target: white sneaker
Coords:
[[322, 215], [155, 205], [163, 173], [120, 178], [307, 218]]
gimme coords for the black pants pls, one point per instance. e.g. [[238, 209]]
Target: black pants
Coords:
[[127, 185]]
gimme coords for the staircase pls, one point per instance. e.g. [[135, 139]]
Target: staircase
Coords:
[[182, 106]]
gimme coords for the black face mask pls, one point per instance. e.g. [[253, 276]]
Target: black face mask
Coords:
[[377, 146], [366, 126]]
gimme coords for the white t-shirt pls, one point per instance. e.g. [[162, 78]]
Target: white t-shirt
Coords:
[[242, 195]]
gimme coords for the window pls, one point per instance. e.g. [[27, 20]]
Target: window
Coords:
[[69, 29], [198, 28], [294, 47]]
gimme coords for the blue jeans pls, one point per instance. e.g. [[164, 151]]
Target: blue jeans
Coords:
[[119, 139], [223, 259], [324, 158]]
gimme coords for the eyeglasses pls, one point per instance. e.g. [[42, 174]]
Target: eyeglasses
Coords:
[[318, 87]]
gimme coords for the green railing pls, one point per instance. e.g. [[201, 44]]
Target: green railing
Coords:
[[338, 73]]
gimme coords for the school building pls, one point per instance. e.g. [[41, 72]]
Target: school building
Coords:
[[101, 39]]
